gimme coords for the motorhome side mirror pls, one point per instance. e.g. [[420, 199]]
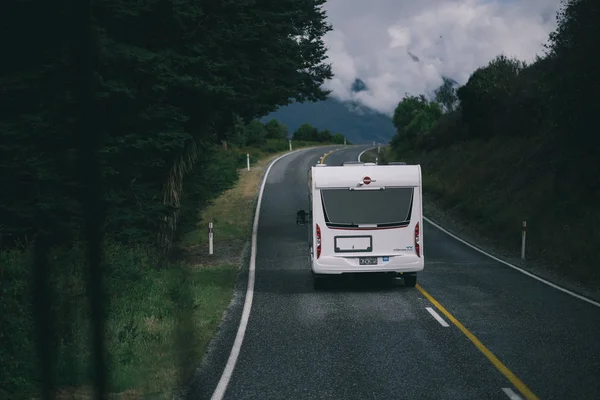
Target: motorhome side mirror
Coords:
[[301, 217]]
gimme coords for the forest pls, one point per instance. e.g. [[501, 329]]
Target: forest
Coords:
[[308, 133], [517, 143], [120, 121]]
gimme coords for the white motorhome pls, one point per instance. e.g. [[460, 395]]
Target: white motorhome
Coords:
[[365, 218]]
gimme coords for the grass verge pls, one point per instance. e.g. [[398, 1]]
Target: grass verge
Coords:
[[159, 320], [231, 215], [161, 313]]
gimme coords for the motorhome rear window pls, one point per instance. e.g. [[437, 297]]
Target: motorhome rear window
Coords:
[[389, 207]]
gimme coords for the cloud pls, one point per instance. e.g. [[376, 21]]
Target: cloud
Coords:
[[402, 46]]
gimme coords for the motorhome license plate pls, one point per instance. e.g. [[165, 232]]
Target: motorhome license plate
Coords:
[[367, 260]]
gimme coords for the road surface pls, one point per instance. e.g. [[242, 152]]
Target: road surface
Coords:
[[506, 334]]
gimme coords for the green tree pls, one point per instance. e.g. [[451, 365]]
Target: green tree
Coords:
[[488, 95], [413, 117], [445, 95], [338, 138], [553, 96], [168, 81], [324, 136], [276, 130], [572, 50], [255, 133], [306, 132], [171, 80], [406, 110]]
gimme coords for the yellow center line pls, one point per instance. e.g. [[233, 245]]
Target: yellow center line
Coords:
[[325, 156], [517, 383]]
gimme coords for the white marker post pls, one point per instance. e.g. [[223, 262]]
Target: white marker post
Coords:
[[344, 142], [248, 161], [523, 237], [376, 159], [210, 238], [290, 143]]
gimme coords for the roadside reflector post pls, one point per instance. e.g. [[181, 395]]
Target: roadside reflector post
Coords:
[[290, 143], [248, 161], [523, 237], [210, 238], [344, 142], [376, 159]]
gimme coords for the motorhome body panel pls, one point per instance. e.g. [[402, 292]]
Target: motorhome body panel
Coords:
[[381, 175], [366, 219]]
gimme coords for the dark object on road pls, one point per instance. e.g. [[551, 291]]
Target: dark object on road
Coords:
[[301, 217], [410, 279]]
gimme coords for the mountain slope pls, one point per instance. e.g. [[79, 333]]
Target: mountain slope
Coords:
[[358, 123]]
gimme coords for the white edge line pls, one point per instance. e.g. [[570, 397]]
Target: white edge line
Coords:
[[370, 148], [239, 338], [437, 317], [511, 394], [555, 286]]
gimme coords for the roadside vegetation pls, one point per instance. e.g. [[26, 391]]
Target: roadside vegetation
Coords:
[[517, 142], [176, 91], [306, 132], [163, 309]]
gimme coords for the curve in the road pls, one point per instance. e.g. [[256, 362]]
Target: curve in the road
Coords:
[[223, 383], [358, 344], [364, 151]]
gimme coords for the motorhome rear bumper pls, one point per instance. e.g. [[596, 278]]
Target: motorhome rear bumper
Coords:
[[339, 266]]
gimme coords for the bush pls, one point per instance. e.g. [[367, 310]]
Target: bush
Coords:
[[217, 173], [448, 130], [275, 146], [148, 310]]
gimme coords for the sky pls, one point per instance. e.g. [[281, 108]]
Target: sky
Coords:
[[406, 46]]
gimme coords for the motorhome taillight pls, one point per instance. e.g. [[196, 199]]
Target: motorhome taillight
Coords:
[[417, 245], [318, 241]]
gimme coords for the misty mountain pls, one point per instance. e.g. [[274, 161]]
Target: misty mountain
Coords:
[[356, 122], [359, 86]]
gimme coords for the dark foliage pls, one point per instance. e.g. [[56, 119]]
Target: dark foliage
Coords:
[[553, 96], [522, 144], [309, 133], [171, 81], [166, 92]]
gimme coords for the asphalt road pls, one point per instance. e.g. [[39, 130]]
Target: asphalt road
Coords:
[[368, 340]]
